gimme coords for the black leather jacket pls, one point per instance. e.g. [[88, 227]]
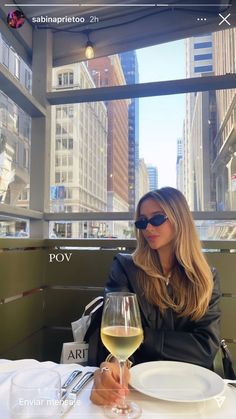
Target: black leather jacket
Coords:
[[167, 337]]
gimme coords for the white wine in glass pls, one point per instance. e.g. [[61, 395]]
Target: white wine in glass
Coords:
[[122, 334], [122, 341]]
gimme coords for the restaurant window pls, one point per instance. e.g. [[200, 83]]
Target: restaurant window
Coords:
[[5, 54], [16, 66], [3, 109], [28, 78], [26, 127], [26, 158]]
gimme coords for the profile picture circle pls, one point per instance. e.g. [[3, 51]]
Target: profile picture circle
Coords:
[[15, 19]]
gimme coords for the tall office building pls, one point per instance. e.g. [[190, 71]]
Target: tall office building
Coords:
[[143, 178], [130, 68], [153, 177], [199, 61], [78, 156], [179, 165], [201, 140], [224, 162], [107, 71]]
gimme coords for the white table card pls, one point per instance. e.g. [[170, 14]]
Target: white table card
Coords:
[[75, 353]]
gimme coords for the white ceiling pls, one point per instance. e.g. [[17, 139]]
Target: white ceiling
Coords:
[[119, 28]]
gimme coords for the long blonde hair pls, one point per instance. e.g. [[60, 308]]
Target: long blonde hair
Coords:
[[192, 279]]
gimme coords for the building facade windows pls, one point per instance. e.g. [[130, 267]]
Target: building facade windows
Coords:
[[201, 57], [203, 69], [28, 79], [58, 144], [5, 54], [65, 78], [57, 177], [199, 45], [16, 66]]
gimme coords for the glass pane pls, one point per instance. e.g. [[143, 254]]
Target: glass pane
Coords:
[[15, 134], [90, 229], [116, 156], [15, 145], [10, 227], [207, 230], [15, 64], [216, 230], [105, 155]]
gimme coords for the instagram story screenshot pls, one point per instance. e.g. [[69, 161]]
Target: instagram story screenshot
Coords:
[[117, 176]]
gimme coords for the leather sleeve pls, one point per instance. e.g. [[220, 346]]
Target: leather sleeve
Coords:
[[198, 345], [118, 278]]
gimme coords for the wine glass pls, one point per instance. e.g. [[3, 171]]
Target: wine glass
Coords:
[[35, 393], [122, 334]]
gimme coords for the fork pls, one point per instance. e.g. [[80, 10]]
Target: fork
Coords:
[[69, 381]]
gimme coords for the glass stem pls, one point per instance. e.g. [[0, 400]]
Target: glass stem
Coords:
[[122, 369]]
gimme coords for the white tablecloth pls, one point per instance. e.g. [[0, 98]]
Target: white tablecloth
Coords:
[[225, 408]]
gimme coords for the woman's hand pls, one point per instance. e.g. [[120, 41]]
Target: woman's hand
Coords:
[[106, 388]]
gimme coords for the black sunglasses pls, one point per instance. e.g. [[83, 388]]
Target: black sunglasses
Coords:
[[155, 221]]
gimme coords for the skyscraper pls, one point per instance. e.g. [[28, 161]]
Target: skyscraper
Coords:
[[199, 60], [179, 165], [130, 68], [224, 162], [107, 71], [143, 178], [78, 155], [153, 177]]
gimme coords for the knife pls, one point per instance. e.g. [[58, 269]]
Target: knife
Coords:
[[69, 381], [68, 400]]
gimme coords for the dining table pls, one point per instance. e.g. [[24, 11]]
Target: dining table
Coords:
[[222, 407]]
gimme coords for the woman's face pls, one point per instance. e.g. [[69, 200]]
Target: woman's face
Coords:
[[160, 237]]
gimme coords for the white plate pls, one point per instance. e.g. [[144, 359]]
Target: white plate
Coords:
[[176, 381]]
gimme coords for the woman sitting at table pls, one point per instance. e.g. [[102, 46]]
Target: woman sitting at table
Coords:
[[178, 293]]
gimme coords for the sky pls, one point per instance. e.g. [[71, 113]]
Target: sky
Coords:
[[161, 118]]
